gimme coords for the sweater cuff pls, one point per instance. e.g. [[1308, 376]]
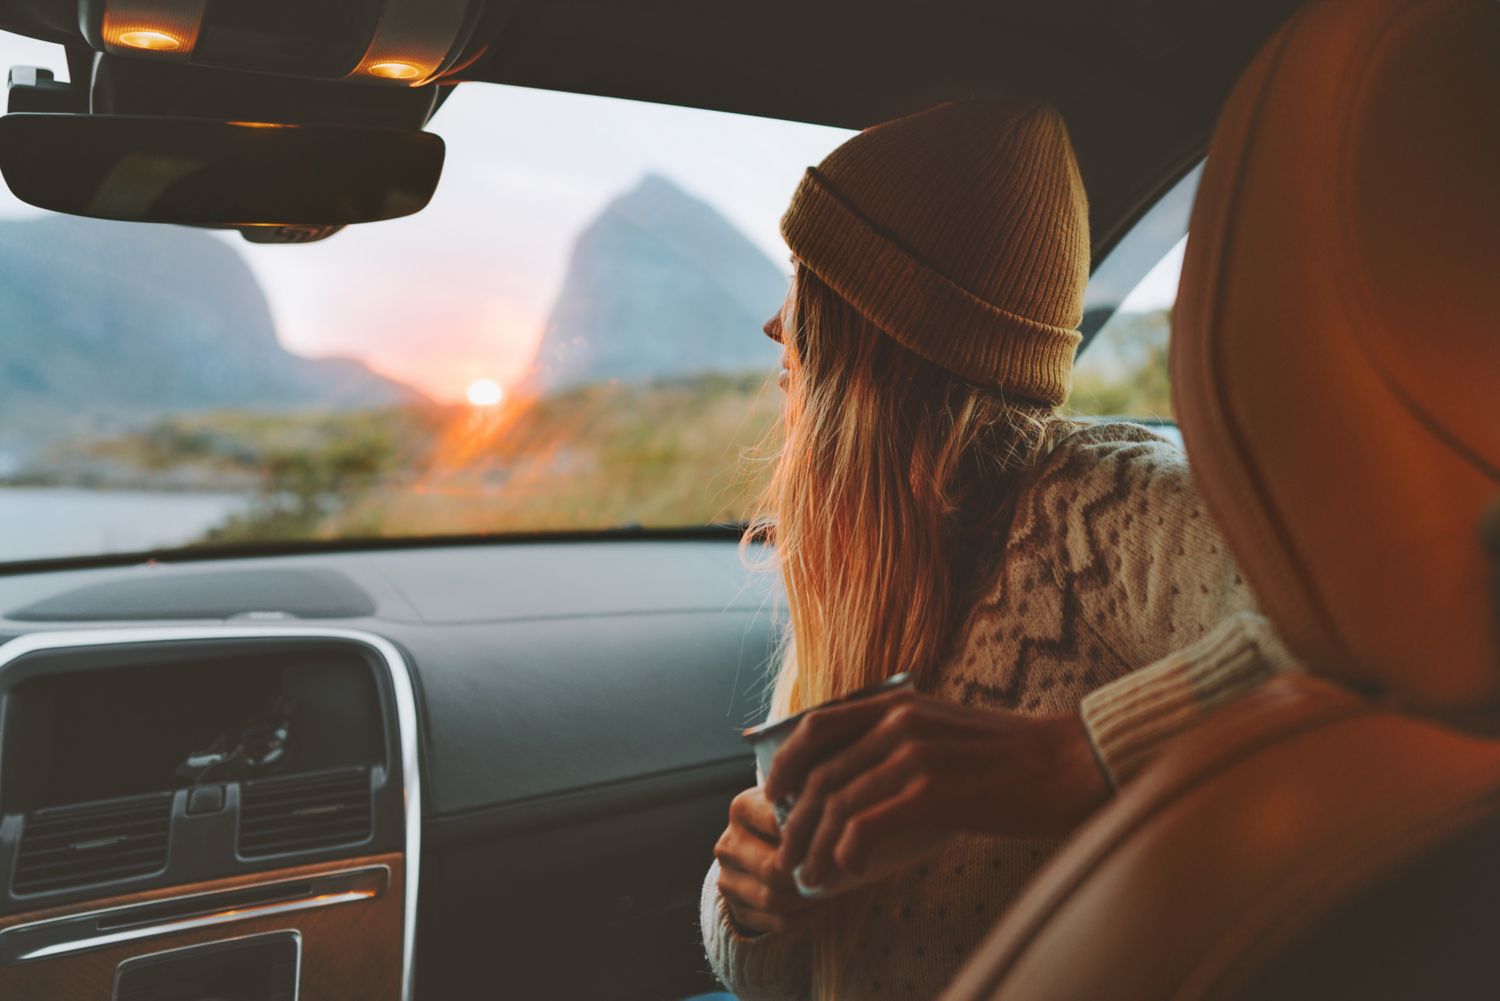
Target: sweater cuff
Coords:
[[752, 966], [1129, 720]]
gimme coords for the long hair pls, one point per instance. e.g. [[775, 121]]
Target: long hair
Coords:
[[888, 508]]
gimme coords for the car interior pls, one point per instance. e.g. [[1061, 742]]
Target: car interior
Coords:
[[494, 763]]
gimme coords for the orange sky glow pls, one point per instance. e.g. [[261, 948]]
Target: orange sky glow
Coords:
[[462, 290], [497, 342]]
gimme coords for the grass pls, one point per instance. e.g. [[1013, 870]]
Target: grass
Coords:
[[1124, 372], [665, 454]]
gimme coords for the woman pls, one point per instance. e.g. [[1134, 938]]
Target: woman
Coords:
[[934, 514]]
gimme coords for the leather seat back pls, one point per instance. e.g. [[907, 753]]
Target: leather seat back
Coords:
[[1305, 844], [1336, 371], [1336, 344]]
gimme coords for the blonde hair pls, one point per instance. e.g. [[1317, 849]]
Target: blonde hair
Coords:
[[888, 508]]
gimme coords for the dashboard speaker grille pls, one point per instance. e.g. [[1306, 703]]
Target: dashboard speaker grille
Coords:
[[66, 847], [303, 813]]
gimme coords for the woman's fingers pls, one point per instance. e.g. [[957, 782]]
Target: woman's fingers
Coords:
[[801, 823], [880, 780], [895, 822], [750, 920], [760, 895], [828, 779], [902, 723], [845, 809], [745, 852], [820, 732], [747, 889], [753, 811]]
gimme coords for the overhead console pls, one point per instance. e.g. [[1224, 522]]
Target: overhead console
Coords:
[[229, 798]]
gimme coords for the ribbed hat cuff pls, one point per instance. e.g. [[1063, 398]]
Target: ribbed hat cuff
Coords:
[[922, 309]]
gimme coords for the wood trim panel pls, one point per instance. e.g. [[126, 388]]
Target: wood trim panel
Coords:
[[350, 950]]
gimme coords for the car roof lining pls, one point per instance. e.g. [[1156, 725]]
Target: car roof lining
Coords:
[[1140, 82]]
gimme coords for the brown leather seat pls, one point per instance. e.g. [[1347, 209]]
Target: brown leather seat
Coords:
[[1336, 369]]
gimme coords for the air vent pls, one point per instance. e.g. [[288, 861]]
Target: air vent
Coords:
[[66, 847], [303, 813]]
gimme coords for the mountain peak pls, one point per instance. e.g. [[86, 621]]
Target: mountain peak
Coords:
[[659, 285], [126, 322], [658, 203], [652, 182]]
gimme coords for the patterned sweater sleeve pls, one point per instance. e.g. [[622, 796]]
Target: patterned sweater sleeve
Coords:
[[753, 968], [1166, 596]]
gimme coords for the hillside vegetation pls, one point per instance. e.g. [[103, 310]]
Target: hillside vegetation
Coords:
[[666, 453], [106, 325], [1123, 373], [661, 454]]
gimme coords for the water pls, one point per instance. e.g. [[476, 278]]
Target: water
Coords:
[[39, 522]]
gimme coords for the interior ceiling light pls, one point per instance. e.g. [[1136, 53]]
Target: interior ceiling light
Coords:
[[395, 69], [148, 39], [407, 43], [415, 40], [160, 27]]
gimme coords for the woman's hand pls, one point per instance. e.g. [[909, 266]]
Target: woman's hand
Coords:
[[882, 780], [759, 892]]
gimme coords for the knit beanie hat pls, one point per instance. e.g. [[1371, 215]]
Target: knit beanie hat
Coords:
[[962, 232]]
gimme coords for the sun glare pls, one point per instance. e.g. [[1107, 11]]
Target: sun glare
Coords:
[[485, 393]]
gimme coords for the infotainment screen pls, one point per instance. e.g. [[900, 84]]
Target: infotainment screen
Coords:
[[90, 735]]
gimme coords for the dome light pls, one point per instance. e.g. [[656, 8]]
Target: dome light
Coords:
[[164, 29], [147, 38], [394, 69]]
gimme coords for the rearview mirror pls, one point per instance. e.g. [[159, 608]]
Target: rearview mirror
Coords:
[[199, 172]]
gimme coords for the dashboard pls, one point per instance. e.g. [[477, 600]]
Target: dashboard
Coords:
[[402, 773]]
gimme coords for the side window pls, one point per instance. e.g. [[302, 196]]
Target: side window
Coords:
[[1122, 369]]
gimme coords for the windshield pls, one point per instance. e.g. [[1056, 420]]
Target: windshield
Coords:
[[567, 338]]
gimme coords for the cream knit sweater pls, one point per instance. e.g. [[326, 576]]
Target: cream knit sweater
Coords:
[[1112, 566]]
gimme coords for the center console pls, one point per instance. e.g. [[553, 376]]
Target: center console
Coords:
[[228, 813]]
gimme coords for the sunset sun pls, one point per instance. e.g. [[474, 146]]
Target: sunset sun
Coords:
[[485, 393]]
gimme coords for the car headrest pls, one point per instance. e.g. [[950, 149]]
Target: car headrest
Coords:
[[1336, 343]]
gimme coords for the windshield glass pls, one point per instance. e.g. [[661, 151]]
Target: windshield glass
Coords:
[[566, 338]]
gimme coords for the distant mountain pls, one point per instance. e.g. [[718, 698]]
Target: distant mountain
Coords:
[[104, 324], [659, 285]]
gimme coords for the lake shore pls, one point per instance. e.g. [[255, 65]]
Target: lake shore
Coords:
[[44, 522]]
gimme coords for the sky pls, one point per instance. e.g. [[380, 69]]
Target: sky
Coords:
[[1159, 288], [461, 290]]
